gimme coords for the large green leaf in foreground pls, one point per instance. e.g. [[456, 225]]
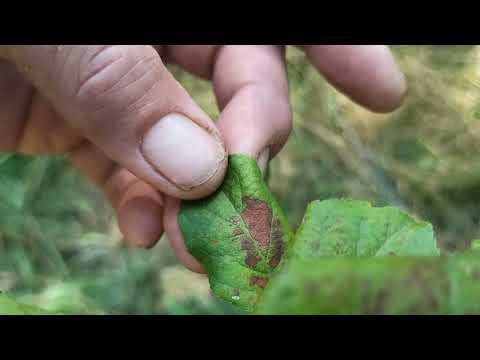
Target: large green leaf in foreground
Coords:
[[380, 285], [239, 234]]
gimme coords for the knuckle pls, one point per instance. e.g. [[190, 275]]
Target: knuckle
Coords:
[[97, 73], [116, 77]]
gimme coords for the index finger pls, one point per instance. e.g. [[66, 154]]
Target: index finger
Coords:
[[252, 91], [368, 74]]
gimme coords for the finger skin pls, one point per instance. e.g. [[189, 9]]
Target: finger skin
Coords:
[[15, 98], [118, 97], [251, 88], [174, 235], [367, 74]]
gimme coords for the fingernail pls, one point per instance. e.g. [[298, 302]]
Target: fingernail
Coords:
[[182, 151], [140, 220]]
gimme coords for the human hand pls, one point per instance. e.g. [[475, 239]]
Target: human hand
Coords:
[[132, 128]]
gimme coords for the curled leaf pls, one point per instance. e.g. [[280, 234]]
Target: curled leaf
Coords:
[[239, 234]]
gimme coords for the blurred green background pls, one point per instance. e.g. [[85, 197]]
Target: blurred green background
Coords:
[[60, 247]]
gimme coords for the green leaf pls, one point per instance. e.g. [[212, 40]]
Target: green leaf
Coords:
[[239, 234], [355, 228]]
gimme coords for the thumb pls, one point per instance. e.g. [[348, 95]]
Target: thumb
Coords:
[[124, 100]]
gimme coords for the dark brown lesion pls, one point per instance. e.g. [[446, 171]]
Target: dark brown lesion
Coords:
[[252, 261], [252, 258], [265, 229], [476, 275], [237, 231], [277, 244], [235, 220], [379, 303], [258, 218], [311, 288], [258, 281]]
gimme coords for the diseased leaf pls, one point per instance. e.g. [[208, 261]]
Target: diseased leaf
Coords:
[[239, 234], [355, 228]]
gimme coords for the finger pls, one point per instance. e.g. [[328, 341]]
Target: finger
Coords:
[[367, 74], [138, 206], [252, 91], [197, 59], [123, 100], [15, 98], [174, 235]]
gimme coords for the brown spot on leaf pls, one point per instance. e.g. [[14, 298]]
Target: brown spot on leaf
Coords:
[[274, 261], [252, 299], [215, 242], [433, 302], [235, 219], [237, 232], [258, 218], [258, 281], [311, 288], [426, 301], [252, 258], [476, 275], [278, 245], [379, 303], [247, 244]]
